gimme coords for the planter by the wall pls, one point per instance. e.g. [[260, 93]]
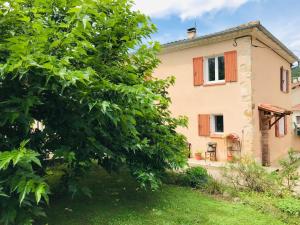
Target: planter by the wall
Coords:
[[229, 158], [198, 156]]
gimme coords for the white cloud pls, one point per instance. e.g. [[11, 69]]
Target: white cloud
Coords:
[[290, 35], [185, 9]]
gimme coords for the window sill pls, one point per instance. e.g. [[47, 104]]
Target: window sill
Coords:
[[216, 136], [214, 84]]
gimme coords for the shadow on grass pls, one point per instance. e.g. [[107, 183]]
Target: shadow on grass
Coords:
[[117, 200], [112, 195]]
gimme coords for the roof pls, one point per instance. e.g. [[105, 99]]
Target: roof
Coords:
[[243, 27], [296, 107], [274, 109]]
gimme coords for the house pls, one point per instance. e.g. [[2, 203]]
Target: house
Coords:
[[296, 112], [234, 87]]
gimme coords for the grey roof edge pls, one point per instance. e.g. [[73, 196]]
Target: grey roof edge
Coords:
[[250, 25], [277, 41]]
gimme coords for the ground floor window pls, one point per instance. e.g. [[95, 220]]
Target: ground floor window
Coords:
[[217, 124], [281, 127]]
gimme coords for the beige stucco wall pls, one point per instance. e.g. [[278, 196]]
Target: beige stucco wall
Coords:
[[233, 100], [295, 138], [296, 101], [296, 96], [266, 89]]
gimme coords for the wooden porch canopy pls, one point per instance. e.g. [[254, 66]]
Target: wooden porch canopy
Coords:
[[268, 112]]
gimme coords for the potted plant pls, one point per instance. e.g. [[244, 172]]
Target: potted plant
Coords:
[[230, 156], [198, 155]]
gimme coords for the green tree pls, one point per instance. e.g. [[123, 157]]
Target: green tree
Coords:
[[81, 69]]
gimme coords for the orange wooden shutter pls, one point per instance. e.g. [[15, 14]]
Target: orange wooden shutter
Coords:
[[276, 128], [287, 81], [281, 78], [230, 66], [204, 125], [285, 125], [198, 71]]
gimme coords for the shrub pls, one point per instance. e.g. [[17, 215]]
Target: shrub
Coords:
[[247, 174], [176, 178], [290, 206], [213, 186], [197, 177], [289, 174]]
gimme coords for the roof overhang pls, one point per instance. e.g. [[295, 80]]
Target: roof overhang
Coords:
[[274, 109], [263, 35], [205, 40], [251, 30]]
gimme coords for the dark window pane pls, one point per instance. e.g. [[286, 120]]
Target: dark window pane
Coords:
[[211, 69], [219, 124], [221, 68]]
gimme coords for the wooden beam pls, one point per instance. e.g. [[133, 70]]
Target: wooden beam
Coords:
[[276, 120]]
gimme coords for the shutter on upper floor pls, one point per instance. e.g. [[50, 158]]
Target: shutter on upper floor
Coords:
[[204, 125], [287, 81], [281, 79], [284, 80], [230, 66], [198, 71]]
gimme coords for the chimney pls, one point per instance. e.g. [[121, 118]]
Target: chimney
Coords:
[[192, 33]]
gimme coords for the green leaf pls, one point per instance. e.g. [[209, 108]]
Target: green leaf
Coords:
[[5, 158], [41, 189]]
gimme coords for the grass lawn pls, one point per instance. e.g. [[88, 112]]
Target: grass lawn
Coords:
[[117, 201]]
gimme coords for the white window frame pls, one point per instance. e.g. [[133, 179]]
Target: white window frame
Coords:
[[213, 123], [206, 75]]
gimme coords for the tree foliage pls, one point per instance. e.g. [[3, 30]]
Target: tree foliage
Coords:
[[80, 68]]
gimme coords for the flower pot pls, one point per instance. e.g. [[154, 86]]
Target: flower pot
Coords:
[[230, 158], [198, 156]]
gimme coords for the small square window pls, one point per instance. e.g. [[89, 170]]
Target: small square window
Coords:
[[217, 124], [215, 69]]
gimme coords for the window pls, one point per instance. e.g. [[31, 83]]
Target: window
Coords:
[[217, 123], [298, 119], [281, 127], [284, 80], [215, 70]]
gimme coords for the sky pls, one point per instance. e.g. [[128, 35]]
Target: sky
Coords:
[[173, 17]]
